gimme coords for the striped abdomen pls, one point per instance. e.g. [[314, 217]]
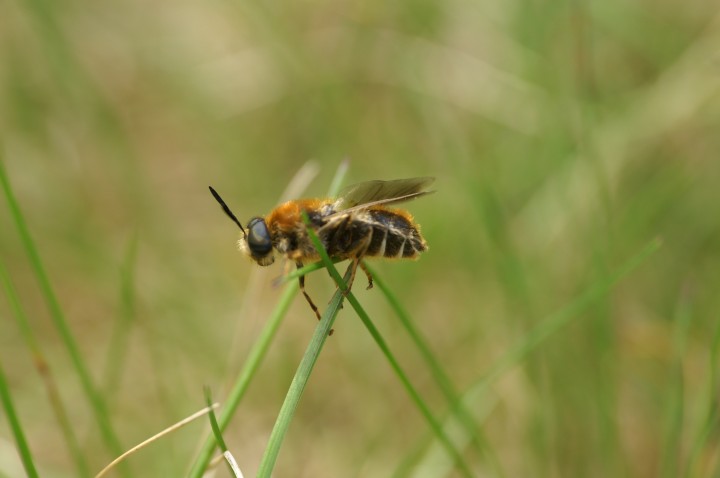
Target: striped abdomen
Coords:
[[377, 232]]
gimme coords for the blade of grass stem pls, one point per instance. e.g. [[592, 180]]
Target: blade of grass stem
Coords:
[[96, 401], [465, 418], [14, 421], [298, 384], [213, 421], [414, 395], [230, 460], [43, 368]]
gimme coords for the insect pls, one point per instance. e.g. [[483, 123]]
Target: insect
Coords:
[[355, 225]]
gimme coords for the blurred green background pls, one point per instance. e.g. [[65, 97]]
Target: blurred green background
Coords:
[[564, 137]]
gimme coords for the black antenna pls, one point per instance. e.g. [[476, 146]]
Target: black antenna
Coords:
[[227, 209]]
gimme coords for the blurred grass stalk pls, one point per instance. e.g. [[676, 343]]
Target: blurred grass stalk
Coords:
[[97, 403]]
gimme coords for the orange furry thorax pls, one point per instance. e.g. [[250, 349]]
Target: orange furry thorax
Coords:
[[286, 216]]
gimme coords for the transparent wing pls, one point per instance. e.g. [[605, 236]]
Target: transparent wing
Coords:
[[373, 193]]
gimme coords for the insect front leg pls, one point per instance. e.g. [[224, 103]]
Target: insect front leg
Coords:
[[301, 281]]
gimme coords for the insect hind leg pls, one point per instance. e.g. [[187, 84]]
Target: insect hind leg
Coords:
[[367, 274], [357, 261]]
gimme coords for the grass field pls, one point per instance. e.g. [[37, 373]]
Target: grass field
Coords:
[[564, 323]]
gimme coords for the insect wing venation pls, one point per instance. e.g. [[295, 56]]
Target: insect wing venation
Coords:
[[376, 192]]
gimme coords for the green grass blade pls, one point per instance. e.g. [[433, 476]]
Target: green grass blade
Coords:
[[14, 421], [96, 401], [252, 364], [414, 395], [43, 368], [464, 416], [298, 384], [213, 421], [232, 464]]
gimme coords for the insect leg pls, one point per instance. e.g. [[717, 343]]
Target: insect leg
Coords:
[[357, 260], [301, 281], [368, 274]]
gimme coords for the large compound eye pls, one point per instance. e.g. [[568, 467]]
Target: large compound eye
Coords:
[[258, 237]]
